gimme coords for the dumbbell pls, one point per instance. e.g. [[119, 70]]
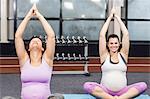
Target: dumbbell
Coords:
[[74, 56], [74, 40], [85, 39], [63, 39], [57, 40], [79, 39], [68, 55], [63, 56], [80, 57], [68, 40], [57, 56]]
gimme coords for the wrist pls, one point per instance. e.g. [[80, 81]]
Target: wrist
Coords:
[[110, 17]]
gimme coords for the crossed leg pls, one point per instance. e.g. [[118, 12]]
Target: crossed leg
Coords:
[[127, 92]]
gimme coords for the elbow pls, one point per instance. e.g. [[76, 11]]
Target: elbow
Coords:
[[17, 36], [102, 36]]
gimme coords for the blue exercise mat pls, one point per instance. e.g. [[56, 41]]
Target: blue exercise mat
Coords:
[[142, 97], [87, 96], [78, 96]]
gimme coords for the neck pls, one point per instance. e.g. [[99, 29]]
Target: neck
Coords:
[[35, 57], [113, 53], [114, 57]]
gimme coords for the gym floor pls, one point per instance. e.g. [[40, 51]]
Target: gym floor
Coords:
[[66, 84]]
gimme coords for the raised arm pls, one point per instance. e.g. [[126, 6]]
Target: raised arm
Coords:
[[125, 38], [102, 38], [50, 43], [19, 44]]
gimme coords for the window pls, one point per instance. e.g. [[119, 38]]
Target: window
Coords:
[[83, 17], [67, 17], [72, 17], [34, 27], [139, 30], [19, 8], [48, 8], [90, 29], [138, 9], [139, 20], [83, 8]]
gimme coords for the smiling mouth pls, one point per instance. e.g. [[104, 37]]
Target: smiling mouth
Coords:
[[114, 48]]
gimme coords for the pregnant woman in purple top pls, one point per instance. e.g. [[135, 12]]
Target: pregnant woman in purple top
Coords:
[[36, 67]]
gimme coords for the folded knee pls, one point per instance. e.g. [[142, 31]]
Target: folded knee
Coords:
[[98, 89], [142, 86], [91, 87], [88, 86]]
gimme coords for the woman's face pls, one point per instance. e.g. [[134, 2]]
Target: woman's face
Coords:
[[113, 45], [35, 43]]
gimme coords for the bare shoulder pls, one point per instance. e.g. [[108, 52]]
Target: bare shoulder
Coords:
[[125, 56], [48, 60], [22, 60]]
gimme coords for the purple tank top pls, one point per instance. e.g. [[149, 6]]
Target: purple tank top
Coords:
[[35, 80]]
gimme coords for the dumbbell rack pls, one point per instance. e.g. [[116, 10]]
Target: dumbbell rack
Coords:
[[77, 59]]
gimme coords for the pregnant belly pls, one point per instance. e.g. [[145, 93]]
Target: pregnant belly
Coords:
[[37, 91], [114, 81]]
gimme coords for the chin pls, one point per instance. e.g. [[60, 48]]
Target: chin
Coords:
[[114, 51]]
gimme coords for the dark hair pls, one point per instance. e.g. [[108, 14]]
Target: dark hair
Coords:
[[113, 36], [36, 36], [41, 38]]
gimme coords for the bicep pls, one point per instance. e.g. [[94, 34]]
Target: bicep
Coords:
[[20, 49], [125, 45], [102, 49], [50, 48]]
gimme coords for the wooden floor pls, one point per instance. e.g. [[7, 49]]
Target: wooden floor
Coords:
[[135, 64]]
